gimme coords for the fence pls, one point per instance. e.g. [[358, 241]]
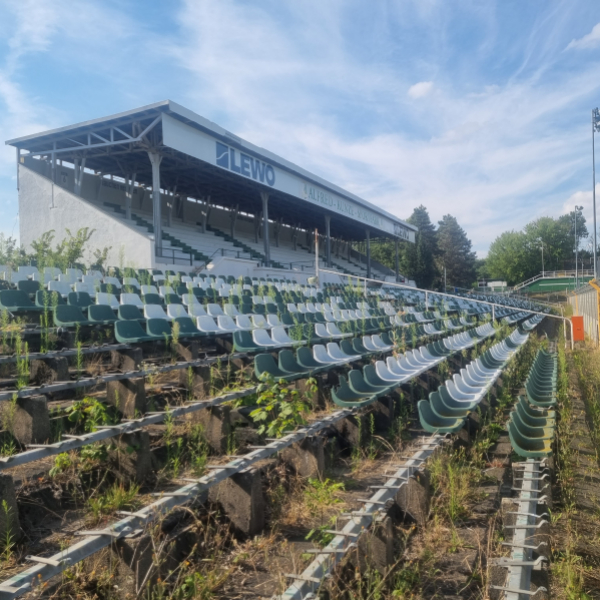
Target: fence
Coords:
[[584, 302]]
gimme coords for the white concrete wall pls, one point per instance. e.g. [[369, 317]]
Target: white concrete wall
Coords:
[[44, 206]]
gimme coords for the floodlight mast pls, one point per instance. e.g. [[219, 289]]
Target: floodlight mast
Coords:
[[595, 127]]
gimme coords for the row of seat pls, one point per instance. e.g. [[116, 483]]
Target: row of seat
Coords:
[[531, 425], [447, 408]]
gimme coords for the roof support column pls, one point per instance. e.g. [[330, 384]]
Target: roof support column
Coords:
[[78, 170], [155, 159], [368, 253], [397, 259], [129, 194], [328, 240], [265, 203]]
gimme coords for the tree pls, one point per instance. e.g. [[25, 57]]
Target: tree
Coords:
[[455, 253], [509, 258], [418, 259]]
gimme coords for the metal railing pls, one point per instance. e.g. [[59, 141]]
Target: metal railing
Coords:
[[171, 255]]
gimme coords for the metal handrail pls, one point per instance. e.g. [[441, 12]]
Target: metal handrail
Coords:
[[188, 258]]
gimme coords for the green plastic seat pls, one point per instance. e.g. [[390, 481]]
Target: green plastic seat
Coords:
[[433, 423], [46, 299], [243, 342], [288, 364], [532, 421], [444, 405], [535, 411], [158, 329], [152, 299], [527, 447], [264, 364], [130, 332], [28, 286], [357, 384], [130, 312], [17, 301], [101, 314], [187, 327], [345, 397], [172, 299], [372, 379], [527, 431], [306, 360], [347, 348], [80, 299], [69, 316]]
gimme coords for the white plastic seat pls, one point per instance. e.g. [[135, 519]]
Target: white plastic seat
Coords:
[[338, 354], [262, 338], [130, 281], [51, 273], [244, 322], [196, 310], [188, 299], [321, 355], [149, 289], [321, 331], [334, 332], [292, 308], [207, 324], [163, 290], [227, 324], [106, 298], [273, 321], [67, 278], [76, 274], [154, 311], [113, 281], [214, 310], [280, 336], [129, 298], [80, 286], [259, 322], [231, 310], [27, 271], [175, 311], [62, 287]]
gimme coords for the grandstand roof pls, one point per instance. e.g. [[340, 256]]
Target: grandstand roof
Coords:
[[202, 159]]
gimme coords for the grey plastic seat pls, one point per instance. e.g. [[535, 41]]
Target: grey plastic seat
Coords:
[[175, 311], [106, 298], [155, 311], [129, 298], [196, 310]]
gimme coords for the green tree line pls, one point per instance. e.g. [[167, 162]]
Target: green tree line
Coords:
[[439, 255]]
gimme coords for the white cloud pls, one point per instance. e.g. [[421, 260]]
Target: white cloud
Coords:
[[421, 89], [590, 40]]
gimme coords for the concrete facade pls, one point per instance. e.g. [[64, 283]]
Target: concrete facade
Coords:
[[44, 205]]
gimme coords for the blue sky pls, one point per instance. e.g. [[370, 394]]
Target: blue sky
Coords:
[[477, 108]]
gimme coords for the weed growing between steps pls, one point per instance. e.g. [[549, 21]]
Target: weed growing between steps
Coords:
[[575, 567]]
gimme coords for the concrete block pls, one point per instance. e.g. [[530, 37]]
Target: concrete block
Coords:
[[242, 500], [383, 414], [376, 547], [130, 455], [197, 381], [27, 419], [136, 567], [128, 396], [127, 360], [216, 422], [49, 370], [188, 350], [414, 498], [9, 511], [307, 458], [353, 429]]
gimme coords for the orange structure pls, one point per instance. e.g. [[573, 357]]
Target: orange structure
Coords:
[[578, 331]]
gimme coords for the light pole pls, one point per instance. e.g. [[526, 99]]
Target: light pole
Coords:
[[595, 127], [542, 245], [577, 209]]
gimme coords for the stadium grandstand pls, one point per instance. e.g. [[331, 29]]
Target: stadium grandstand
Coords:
[[164, 186]]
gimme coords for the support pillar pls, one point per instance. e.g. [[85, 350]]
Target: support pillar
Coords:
[[368, 253], [265, 210], [233, 219], [155, 160], [78, 169], [328, 239], [129, 195], [397, 259]]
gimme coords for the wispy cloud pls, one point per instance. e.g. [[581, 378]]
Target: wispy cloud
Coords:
[[421, 89], [590, 40]]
